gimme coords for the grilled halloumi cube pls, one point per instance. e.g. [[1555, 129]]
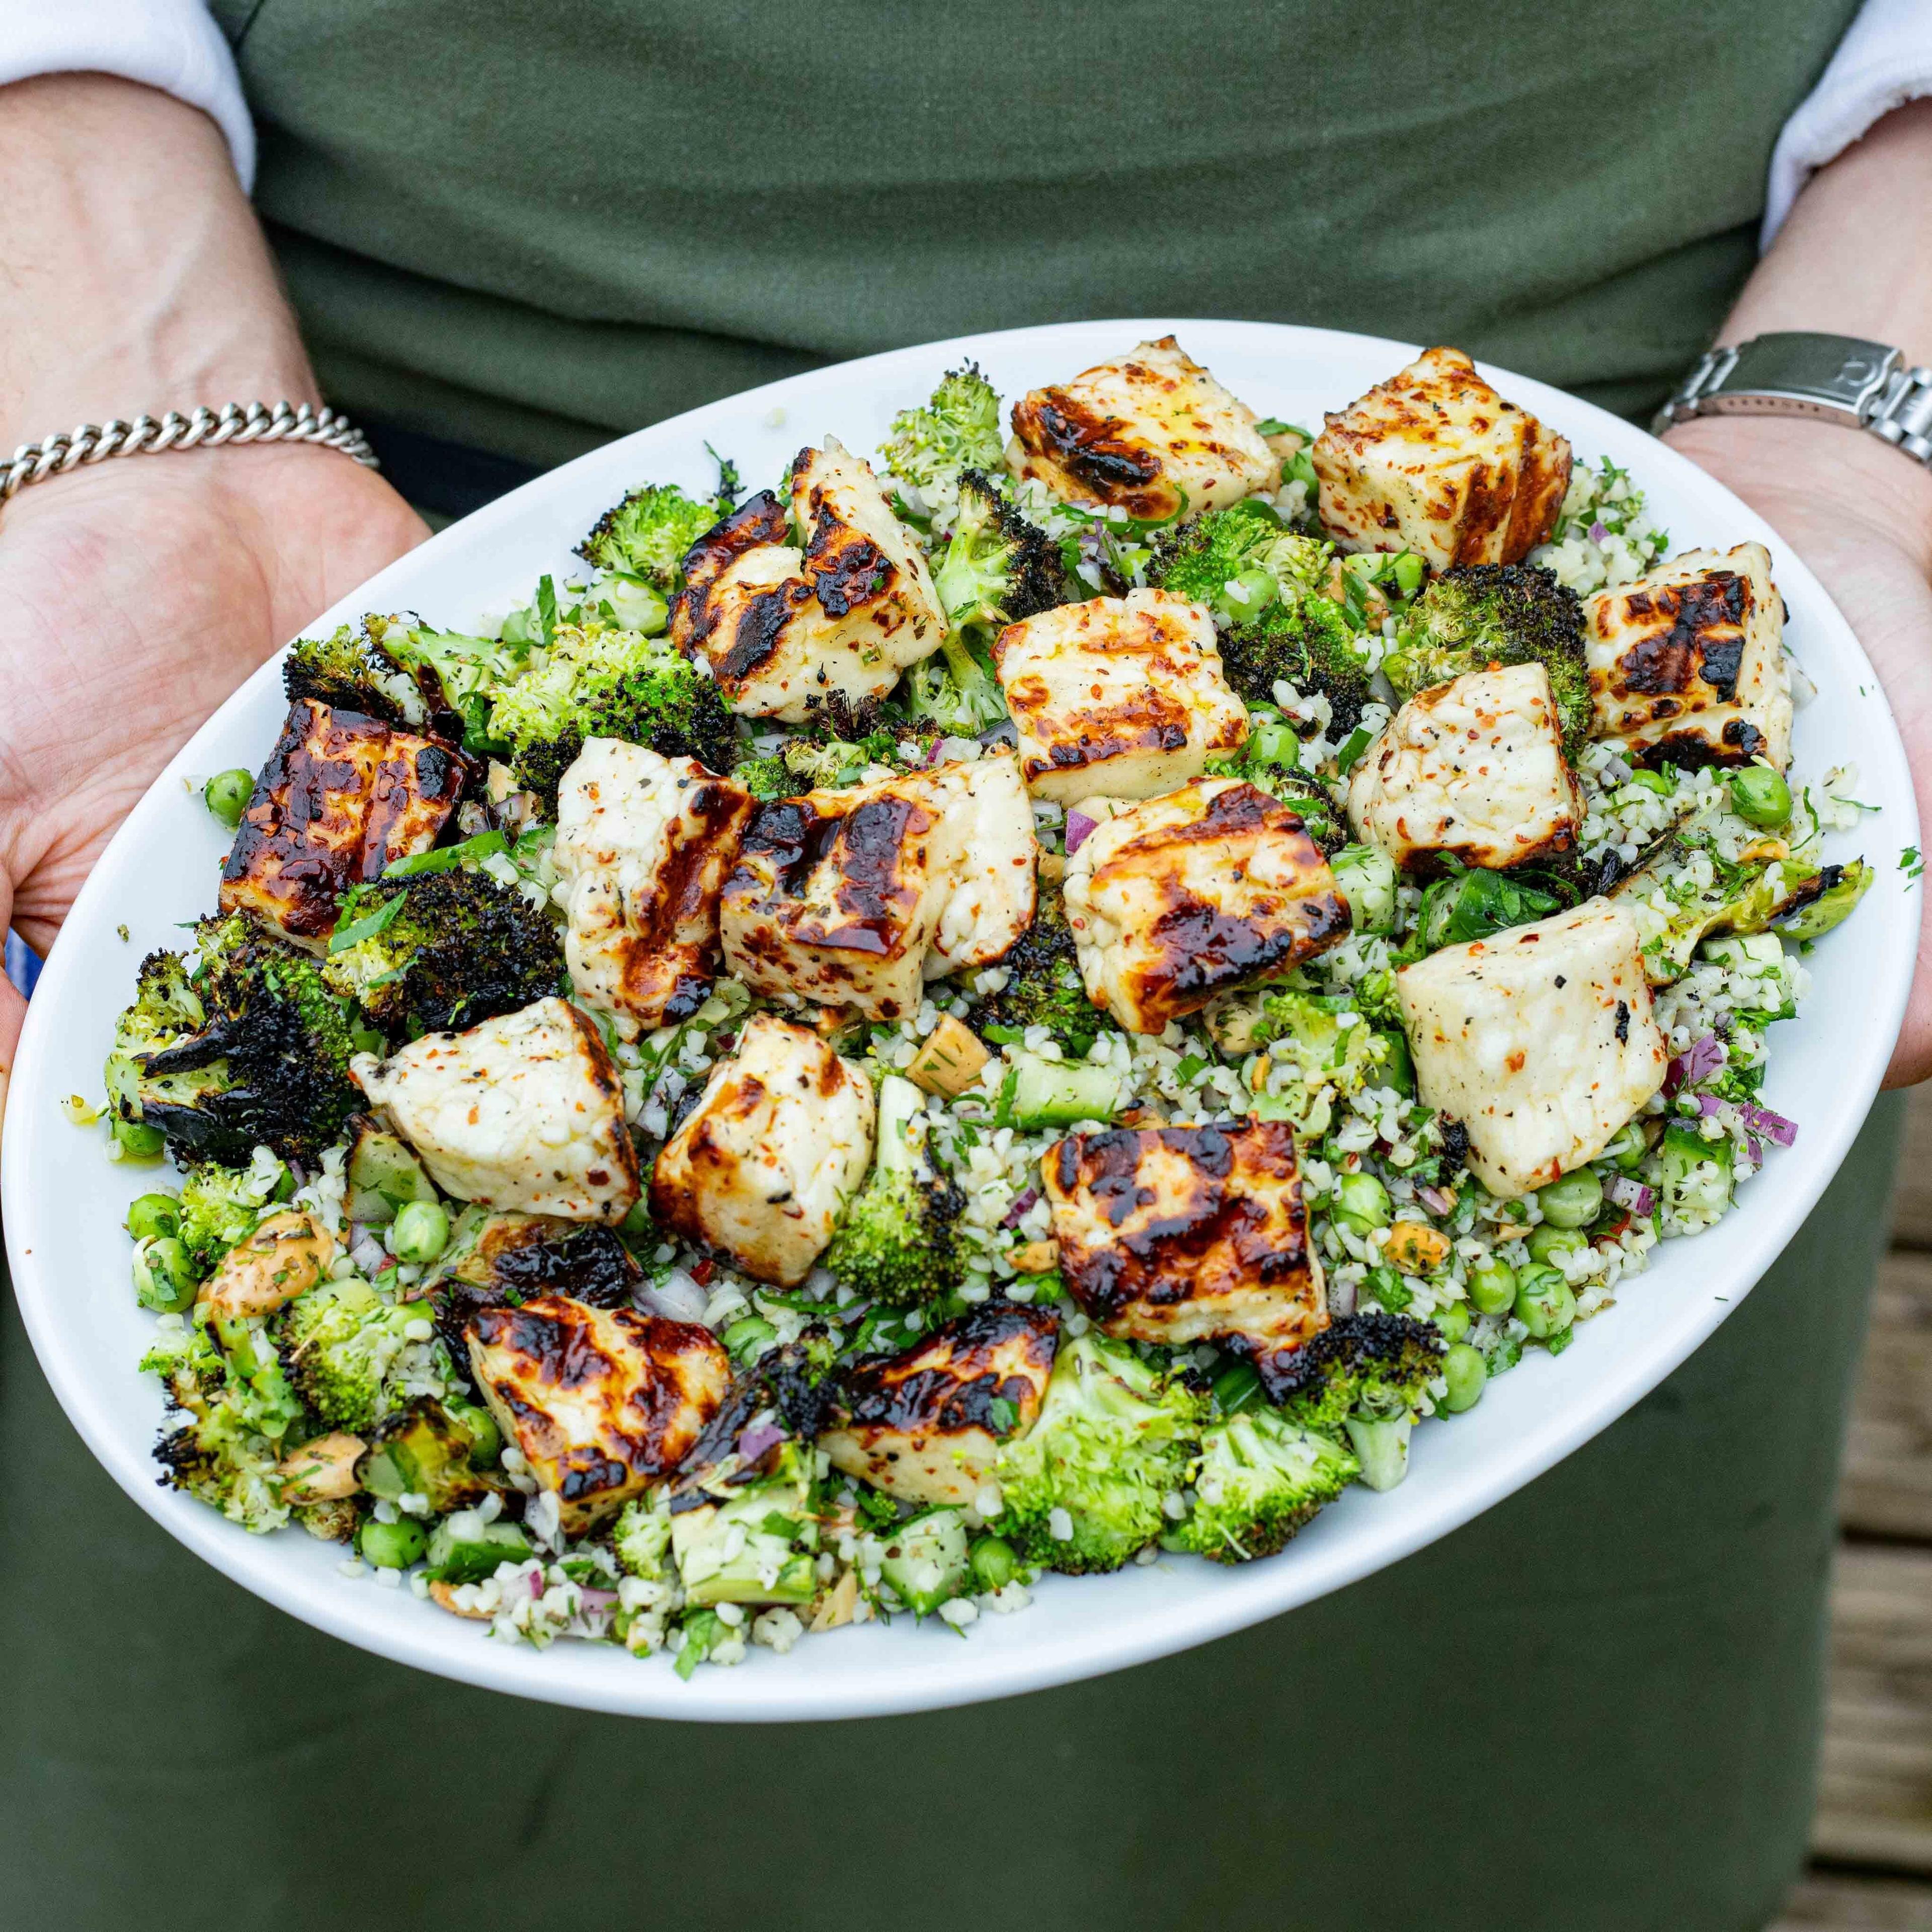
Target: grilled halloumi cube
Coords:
[[856, 898], [762, 1167], [1120, 695], [1176, 1234], [1215, 886], [785, 630], [644, 845], [1434, 461], [1474, 769], [1539, 1040], [524, 1111], [1687, 665], [601, 1402], [923, 1425], [1152, 434], [341, 797]]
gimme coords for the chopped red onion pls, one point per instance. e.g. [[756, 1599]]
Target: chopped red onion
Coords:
[[1709, 1105], [1774, 1127], [1700, 1059], [1077, 826], [597, 1599], [1755, 1148], [1435, 1200], [1342, 1297], [1627, 1192], [932, 757], [1598, 532], [536, 1585], [677, 1298], [756, 1440], [1017, 1212]]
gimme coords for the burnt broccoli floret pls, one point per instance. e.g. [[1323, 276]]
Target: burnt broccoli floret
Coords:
[[899, 1241], [596, 682], [444, 951], [647, 534], [353, 670], [1043, 987], [251, 1050], [1506, 613], [1308, 644], [958, 429], [1365, 1376]]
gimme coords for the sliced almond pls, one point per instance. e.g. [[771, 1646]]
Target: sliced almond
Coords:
[[1415, 1247], [444, 1595], [950, 1061], [835, 1605], [1035, 1257], [321, 1471]]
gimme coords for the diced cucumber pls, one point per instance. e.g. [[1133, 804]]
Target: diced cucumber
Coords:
[[753, 1549], [1365, 877], [926, 1559], [383, 1176], [1692, 1175], [464, 1549], [1041, 1093], [1381, 1447]]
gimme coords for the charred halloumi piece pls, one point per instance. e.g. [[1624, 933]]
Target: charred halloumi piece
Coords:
[[524, 1111], [1179, 1234], [1121, 695], [1474, 769], [1539, 1040], [341, 797], [923, 1425], [1215, 886], [644, 845], [1687, 665], [602, 1402], [785, 630], [1434, 461], [1152, 434], [763, 1165], [856, 898]]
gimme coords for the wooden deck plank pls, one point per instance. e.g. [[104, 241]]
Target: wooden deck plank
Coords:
[[1911, 1196], [1832, 1901], [1875, 1773], [1886, 1490]]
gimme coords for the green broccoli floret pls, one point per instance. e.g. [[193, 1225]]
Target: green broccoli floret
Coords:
[[459, 675], [648, 535], [446, 950], [642, 1539], [898, 1241], [1087, 1485], [1260, 1479], [1506, 613], [191, 1366], [1327, 1042], [958, 429], [341, 1344], [1240, 561], [252, 1051], [1043, 987], [996, 569], [220, 1205], [1365, 1375], [1308, 644], [596, 682]]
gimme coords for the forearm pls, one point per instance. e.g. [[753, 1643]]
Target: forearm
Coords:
[[135, 278]]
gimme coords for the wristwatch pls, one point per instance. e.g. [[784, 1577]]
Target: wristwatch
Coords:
[[1838, 378]]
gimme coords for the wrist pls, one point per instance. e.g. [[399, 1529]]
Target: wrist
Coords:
[[1781, 465]]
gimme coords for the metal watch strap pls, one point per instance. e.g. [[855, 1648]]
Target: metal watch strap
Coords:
[[200, 428], [1836, 378]]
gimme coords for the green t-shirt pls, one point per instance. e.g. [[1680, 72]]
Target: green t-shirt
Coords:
[[524, 225]]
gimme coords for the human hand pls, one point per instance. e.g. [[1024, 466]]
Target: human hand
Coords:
[[134, 597], [1861, 515]]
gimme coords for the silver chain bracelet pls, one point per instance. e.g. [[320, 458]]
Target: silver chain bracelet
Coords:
[[234, 422]]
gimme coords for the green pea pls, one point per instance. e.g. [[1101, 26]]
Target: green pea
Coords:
[[1272, 742], [1247, 596], [1628, 1150], [420, 1232], [1661, 782], [749, 1336], [1409, 572], [478, 1427], [391, 1546], [1544, 1304], [1547, 1242], [995, 1563], [227, 793], [1235, 1387], [164, 1277], [1573, 1201], [137, 1139], [1452, 1321], [1362, 1201], [1466, 1372], [153, 1216], [1492, 1287], [1760, 797]]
